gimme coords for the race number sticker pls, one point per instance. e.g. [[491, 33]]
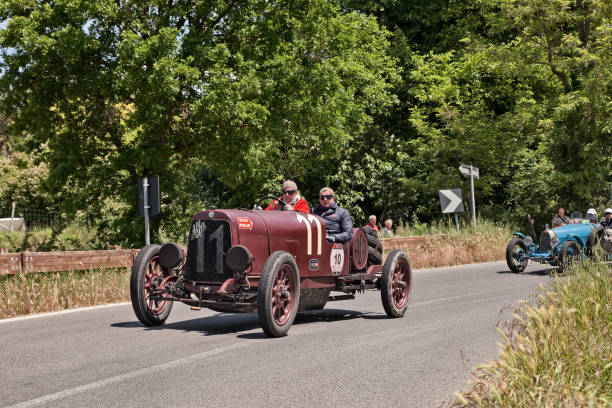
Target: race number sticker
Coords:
[[336, 260], [244, 223]]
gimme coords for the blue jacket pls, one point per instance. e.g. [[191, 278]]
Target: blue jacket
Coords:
[[338, 224]]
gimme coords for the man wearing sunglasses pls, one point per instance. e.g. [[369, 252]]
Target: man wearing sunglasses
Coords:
[[338, 224], [291, 199]]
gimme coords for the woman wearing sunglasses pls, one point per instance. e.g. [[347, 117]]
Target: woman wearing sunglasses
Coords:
[[338, 224], [291, 199]]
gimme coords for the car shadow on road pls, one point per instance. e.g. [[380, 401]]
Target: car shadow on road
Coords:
[[228, 323], [538, 272]]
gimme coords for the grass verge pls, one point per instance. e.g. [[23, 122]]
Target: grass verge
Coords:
[[47, 292], [558, 352], [445, 246]]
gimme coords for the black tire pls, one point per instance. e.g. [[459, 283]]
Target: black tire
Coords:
[[512, 251], [370, 231], [568, 255], [396, 283], [278, 294], [591, 242], [374, 242], [374, 257], [147, 268]]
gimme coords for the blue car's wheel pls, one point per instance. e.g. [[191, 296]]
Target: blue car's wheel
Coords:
[[568, 255], [516, 255]]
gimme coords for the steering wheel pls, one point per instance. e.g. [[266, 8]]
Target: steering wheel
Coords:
[[281, 203]]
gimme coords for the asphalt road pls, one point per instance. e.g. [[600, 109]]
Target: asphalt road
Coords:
[[348, 355]]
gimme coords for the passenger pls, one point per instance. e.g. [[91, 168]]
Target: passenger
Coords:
[[372, 223], [387, 231], [338, 224], [560, 219], [291, 198], [591, 215], [607, 221]]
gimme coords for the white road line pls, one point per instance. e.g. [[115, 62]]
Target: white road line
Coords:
[[80, 309], [119, 378]]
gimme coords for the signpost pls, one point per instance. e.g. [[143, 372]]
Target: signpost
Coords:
[[471, 172], [451, 202], [148, 201]]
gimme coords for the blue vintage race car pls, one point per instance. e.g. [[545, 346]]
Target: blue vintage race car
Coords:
[[558, 246]]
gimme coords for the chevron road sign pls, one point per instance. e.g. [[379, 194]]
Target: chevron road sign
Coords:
[[451, 201]]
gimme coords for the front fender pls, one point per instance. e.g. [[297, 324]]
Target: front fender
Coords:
[[518, 234]]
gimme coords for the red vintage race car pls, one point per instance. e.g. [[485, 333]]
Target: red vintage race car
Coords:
[[274, 262]]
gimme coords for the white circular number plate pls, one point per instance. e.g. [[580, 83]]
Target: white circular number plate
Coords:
[[336, 260]]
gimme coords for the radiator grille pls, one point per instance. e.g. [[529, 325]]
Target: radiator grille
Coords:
[[545, 241], [209, 241]]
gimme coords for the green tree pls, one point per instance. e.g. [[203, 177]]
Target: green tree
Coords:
[[110, 91]]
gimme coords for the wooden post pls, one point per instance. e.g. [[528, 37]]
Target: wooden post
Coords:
[[12, 216]]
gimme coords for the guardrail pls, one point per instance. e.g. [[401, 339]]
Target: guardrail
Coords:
[[33, 262]]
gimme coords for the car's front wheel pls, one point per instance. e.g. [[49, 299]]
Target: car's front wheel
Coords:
[[278, 295], [148, 276], [516, 255]]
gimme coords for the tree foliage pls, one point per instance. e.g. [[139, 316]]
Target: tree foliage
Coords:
[[381, 100]]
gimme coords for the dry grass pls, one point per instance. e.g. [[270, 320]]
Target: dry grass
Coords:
[[46, 292], [449, 250], [445, 246], [557, 353]]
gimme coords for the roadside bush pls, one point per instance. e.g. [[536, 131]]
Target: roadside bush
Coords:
[[557, 353]]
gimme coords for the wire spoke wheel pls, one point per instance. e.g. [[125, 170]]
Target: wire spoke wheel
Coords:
[[278, 294], [396, 283], [516, 255], [147, 279], [569, 255]]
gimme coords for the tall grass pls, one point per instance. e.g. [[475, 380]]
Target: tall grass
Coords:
[[74, 237], [46, 292], [448, 227], [443, 245], [558, 352]]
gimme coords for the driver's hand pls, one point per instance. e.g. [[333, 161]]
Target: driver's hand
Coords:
[[256, 207], [288, 207]]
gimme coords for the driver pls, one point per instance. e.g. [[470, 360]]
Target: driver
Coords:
[[291, 199], [338, 224]]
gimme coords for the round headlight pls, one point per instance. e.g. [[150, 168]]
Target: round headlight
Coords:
[[170, 255], [528, 241], [238, 258]]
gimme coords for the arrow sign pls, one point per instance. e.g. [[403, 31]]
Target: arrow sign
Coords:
[[465, 169], [451, 201]]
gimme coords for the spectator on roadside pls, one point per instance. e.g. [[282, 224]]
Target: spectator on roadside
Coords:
[[387, 232], [607, 221], [291, 199], [372, 223], [338, 224], [560, 219]]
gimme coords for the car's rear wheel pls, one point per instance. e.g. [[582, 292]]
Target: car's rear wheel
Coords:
[[396, 282], [591, 242], [148, 276], [516, 255], [278, 295], [568, 255]]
